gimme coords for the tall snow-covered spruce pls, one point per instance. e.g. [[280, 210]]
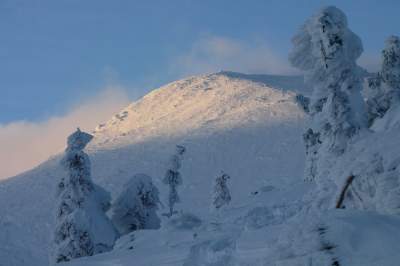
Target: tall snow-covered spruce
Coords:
[[173, 178], [82, 228], [221, 195], [327, 50], [384, 88], [136, 207]]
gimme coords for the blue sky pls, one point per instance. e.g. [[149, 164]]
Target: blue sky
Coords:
[[53, 53], [69, 63]]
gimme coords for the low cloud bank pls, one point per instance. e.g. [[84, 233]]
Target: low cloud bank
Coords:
[[26, 144]]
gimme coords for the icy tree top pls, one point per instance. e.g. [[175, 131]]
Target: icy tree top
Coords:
[[78, 140], [325, 43], [223, 177], [391, 62], [175, 160], [180, 150]]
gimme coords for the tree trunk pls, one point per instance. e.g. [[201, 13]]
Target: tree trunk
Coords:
[[343, 192]]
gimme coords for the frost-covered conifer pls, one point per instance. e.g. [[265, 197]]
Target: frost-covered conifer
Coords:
[[221, 195], [136, 207], [327, 50], [173, 178], [391, 62], [82, 228], [384, 88]]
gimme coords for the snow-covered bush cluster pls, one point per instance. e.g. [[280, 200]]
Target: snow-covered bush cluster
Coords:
[[136, 207]]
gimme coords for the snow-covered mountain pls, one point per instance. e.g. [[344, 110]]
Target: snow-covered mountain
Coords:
[[250, 127], [245, 125]]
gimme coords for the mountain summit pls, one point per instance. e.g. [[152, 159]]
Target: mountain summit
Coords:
[[203, 104]]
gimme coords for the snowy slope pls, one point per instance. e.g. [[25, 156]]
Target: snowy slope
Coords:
[[248, 126], [282, 221]]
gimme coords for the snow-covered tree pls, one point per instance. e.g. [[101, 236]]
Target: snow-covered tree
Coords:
[[391, 62], [221, 195], [384, 88], [136, 207], [327, 50], [82, 228], [173, 178], [303, 102]]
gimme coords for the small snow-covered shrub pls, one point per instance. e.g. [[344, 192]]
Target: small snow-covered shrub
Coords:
[[136, 207], [221, 195]]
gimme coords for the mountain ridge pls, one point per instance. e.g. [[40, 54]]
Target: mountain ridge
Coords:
[[179, 102]]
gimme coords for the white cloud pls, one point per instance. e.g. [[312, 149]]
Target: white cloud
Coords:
[[214, 53], [26, 144]]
